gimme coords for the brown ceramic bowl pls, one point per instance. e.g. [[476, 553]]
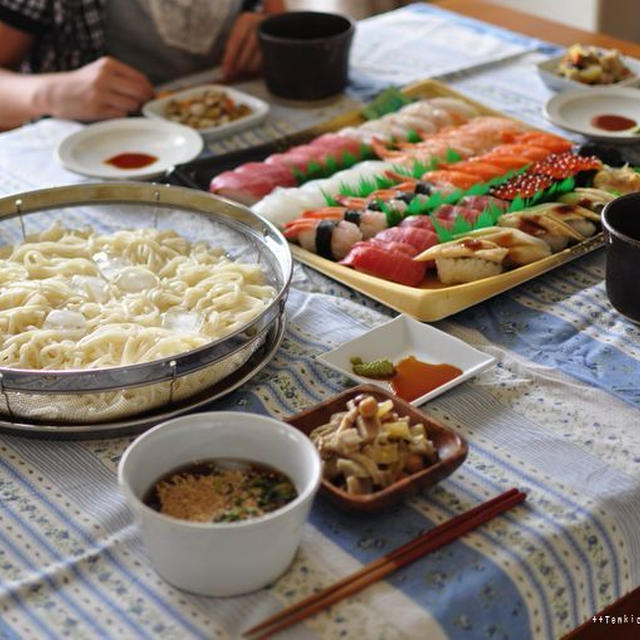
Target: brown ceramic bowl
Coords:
[[452, 450]]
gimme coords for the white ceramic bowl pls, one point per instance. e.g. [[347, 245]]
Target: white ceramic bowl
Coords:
[[556, 82], [221, 559], [259, 109]]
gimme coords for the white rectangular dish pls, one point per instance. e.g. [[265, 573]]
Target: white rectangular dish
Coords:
[[259, 109], [402, 337]]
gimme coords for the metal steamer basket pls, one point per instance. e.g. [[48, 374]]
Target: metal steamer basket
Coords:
[[107, 395]]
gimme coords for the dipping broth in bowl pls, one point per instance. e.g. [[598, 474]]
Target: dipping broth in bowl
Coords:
[[220, 490], [220, 498]]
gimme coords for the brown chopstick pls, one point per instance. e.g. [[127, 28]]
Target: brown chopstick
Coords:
[[430, 541]]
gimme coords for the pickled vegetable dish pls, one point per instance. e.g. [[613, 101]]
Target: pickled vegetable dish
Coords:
[[210, 109], [590, 65], [369, 446], [220, 490]]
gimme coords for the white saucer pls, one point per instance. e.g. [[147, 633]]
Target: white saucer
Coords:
[[86, 151], [574, 111]]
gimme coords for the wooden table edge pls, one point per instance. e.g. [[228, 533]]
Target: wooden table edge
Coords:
[[535, 26]]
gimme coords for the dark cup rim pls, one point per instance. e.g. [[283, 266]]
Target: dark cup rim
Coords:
[[349, 24], [610, 228]]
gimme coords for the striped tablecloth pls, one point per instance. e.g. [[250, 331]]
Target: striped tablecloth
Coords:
[[558, 416]]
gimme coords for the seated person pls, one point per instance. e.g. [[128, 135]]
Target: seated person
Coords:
[[94, 59]]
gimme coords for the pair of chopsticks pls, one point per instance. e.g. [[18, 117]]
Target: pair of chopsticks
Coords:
[[378, 569]]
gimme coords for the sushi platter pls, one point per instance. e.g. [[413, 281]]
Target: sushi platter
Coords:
[[507, 204]]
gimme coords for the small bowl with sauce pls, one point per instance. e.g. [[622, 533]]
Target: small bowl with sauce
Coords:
[[414, 360], [444, 453], [220, 498]]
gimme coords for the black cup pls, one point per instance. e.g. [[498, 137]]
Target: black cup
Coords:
[[621, 222], [306, 53]]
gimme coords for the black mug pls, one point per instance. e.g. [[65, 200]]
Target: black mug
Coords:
[[621, 222], [306, 53]]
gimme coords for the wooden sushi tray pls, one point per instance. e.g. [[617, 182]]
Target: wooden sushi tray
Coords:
[[432, 300]]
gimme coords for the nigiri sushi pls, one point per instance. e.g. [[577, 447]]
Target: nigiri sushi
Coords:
[[370, 222], [556, 233], [419, 238], [523, 248], [549, 141], [450, 177], [581, 219], [589, 198], [331, 239], [283, 205], [623, 180], [384, 263], [529, 151], [465, 260]]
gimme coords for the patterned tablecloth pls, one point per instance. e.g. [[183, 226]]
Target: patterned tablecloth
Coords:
[[557, 416]]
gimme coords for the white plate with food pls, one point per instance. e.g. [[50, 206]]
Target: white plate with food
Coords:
[[611, 115], [413, 360], [583, 67], [213, 110], [127, 148]]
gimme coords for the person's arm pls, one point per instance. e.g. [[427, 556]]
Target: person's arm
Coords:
[[242, 51], [105, 88]]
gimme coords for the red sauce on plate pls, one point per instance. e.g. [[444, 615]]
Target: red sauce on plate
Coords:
[[131, 160], [413, 378], [610, 122]]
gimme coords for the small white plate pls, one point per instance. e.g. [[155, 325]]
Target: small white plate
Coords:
[[259, 108], [402, 337], [556, 82], [574, 111], [86, 151]]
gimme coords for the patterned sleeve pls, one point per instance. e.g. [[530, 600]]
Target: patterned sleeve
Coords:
[[31, 16]]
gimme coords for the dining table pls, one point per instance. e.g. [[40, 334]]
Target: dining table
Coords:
[[558, 417]]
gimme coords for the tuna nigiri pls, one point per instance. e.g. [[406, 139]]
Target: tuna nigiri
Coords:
[[421, 239], [390, 265]]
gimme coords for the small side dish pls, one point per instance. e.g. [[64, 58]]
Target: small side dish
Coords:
[[212, 108], [369, 446], [220, 490], [590, 65], [386, 446]]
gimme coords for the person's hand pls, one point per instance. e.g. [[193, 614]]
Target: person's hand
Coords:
[[242, 55], [105, 88]]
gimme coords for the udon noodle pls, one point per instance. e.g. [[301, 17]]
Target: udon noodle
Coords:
[[83, 300], [79, 299]]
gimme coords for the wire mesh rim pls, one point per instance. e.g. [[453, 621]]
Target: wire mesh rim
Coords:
[[237, 216]]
